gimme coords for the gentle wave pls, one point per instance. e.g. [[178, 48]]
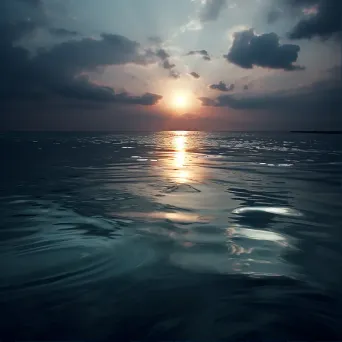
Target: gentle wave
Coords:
[[235, 233]]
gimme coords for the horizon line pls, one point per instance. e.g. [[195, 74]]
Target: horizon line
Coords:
[[169, 130]]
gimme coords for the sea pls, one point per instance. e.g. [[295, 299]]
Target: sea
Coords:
[[170, 236]]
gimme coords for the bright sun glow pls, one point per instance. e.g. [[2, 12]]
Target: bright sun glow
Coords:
[[180, 101]]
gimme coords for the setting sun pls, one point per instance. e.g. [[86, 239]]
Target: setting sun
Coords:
[[180, 101]]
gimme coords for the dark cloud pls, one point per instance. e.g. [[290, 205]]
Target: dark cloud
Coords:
[[56, 72], [15, 11], [211, 10], [208, 102], [74, 56], [174, 74], [162, 54], [61, 32], [322, 96], [316, 18], [11, 32], [195, 74], [82, 89], [301, 2], [165, 58], [324, 20], [249, 50], [285, 8], [222, 86], [168, 65], [20, 18], [273, 16], [203, 53], [146, 99]]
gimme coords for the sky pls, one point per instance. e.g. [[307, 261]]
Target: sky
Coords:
[[105, 65]]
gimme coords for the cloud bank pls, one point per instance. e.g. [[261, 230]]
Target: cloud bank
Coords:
[[319, 97], [59, 71]]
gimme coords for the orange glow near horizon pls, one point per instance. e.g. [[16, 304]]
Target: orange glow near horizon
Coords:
[[179, 96]]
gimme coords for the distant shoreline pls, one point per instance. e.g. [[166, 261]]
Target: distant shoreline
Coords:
[[317, 132]]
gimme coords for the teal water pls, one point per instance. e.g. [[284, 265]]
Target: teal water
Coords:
[[170, 236]]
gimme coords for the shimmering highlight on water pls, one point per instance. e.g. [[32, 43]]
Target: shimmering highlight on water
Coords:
[[170, 236]]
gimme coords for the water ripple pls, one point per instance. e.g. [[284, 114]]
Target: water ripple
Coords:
[[176, 235], [271, 210]]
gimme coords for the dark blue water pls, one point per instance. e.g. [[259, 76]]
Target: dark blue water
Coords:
[[170, 236]]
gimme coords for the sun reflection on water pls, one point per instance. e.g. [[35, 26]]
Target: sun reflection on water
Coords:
[[179, 142]]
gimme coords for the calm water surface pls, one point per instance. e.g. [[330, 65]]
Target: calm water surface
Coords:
[[171, 236]]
